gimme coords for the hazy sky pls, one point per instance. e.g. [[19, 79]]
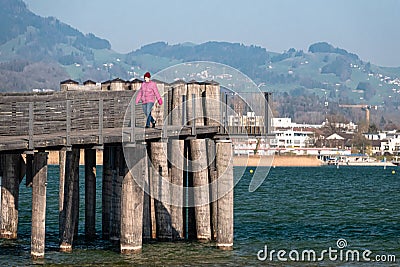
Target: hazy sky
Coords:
[[369, 28]]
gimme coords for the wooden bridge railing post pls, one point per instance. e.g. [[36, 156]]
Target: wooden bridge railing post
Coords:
[[31, 123], [101, 121], [68, 122], [39, 185]]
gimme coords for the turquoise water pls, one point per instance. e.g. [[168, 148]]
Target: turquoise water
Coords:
[[294, 209]]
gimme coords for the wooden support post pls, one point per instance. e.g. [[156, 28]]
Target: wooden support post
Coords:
[[9, 196], [70, 206], [212, 172], [61, 211], [176, 159], [201, 192], [147, 203], [39, 185], [161, 190], [106, 192], [199, 165], [29, 170], [90, 193], [213, 104], [188, 214], [118, 175], [132, 199], [224, 162]]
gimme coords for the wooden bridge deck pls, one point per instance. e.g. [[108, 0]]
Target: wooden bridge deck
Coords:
[[71, 120], [83, 118], [87, 138]]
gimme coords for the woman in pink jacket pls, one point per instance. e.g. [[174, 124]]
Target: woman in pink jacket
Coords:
[[147, 94]]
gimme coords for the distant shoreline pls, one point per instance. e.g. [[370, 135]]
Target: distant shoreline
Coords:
[[277, 161]]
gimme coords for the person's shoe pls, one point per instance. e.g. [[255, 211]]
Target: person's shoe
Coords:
[[153, 125], [147, 126]]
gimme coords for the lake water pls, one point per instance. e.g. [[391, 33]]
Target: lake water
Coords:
[[295, 209]]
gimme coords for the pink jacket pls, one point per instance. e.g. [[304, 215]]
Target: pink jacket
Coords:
[[148, 92]]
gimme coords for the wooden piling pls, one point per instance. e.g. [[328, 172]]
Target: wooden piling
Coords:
[[176, 160], [161, 190], [199, 164], [70, 206], [201, 192], [118, 176], [177, 157], [29, 170], [212, 106], [90, 193], [61, 211], [212, 172], [147, 202], [39, 185], [132, 199], [224, 162], [9, 196], [106, 192]]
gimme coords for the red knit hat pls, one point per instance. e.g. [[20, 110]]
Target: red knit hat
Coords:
[[147, 74]]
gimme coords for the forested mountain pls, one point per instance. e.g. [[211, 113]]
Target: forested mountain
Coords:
[[38, 52]]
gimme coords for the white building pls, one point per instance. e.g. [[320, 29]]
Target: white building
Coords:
[[391, 145], [292, 139], [250, 119]]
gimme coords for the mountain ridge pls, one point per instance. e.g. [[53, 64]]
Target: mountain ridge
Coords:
[[39, 52]]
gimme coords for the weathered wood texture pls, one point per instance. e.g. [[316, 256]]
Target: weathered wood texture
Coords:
[[63, 157], [212, 104], [10, 196], [39, 185], [132, 199], [176, 152], [70, 206], [118, 176], [148, 201], [201, 191], [160, 188], [106, 191], [212, 172], [224, 162], [90, 193]]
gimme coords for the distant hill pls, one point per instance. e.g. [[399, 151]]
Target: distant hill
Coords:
[[38, 52], [27, 39]]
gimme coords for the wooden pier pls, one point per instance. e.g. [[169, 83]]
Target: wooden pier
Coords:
[[172, 182]]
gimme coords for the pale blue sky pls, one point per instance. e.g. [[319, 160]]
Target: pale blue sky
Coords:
[[369, 28]]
